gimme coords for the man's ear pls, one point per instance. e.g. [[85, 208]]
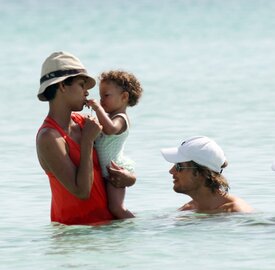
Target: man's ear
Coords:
[[195, 172]]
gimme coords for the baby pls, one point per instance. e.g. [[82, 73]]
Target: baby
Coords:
[[118, 90]]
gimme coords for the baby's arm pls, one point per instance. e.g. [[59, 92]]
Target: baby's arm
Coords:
[[110, 126]]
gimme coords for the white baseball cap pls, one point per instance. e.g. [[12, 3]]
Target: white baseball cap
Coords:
[[199, 149]]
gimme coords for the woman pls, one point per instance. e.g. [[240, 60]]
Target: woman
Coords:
[[65, 145]]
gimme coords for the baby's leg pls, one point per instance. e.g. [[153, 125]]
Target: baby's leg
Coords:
[[116, 202]]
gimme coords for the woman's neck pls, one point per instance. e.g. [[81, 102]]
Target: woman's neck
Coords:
[[61, 115]]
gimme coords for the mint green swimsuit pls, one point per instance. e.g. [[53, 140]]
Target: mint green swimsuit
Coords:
[[110, 147]]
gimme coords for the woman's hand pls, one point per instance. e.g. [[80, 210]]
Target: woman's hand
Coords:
[[91, 128], [120, 177]]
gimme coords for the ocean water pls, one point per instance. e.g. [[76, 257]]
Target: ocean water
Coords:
[[207, 68]]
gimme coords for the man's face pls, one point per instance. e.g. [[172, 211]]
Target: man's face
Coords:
[[185, 179]]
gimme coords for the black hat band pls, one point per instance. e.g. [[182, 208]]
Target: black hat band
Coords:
[[61, 73]]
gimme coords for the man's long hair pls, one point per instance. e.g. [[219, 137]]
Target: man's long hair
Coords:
[[213, 180]]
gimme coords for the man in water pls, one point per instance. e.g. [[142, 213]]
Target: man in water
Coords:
[[197, 172]]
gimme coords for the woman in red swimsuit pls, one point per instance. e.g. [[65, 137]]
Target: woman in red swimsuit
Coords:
[[65, 145]]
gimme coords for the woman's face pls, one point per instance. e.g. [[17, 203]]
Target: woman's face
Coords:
[[76, 93]]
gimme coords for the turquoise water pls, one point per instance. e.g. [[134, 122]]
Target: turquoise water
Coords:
[[207, 68]]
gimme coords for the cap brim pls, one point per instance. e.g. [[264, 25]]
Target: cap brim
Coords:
[[172, 155]]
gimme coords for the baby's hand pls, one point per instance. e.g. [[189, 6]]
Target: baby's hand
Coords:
[[93, 103]]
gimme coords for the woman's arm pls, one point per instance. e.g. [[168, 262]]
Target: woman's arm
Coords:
[[54, 157]]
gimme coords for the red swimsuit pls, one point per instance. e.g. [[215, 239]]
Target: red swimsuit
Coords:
[[67, 208]]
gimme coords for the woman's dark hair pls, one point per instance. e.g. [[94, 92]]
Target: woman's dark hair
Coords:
[[51, 90], [213, 180]]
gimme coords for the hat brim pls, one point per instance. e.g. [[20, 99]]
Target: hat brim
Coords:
[[90, 83], [173, 155]]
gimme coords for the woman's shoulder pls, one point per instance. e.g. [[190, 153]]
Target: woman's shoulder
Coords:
[[47, 134]]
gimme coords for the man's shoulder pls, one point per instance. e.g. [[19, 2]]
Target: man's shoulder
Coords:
[[188, 206], [236, 204]]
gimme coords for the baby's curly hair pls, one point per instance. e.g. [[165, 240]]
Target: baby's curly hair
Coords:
[[127, 81]]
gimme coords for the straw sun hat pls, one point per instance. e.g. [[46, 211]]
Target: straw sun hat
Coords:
[[58, 67]]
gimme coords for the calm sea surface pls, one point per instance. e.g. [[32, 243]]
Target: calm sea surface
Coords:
[[207, 68]]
